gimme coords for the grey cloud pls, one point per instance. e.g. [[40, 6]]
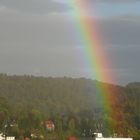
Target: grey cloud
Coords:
[[46, 45], [34, 6], [104, 1], [123, 30], [122, 35], [116, 1], [48, 30], [37, 45]]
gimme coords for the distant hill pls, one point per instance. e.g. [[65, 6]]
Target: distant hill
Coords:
[[65, 96], [51, 94]]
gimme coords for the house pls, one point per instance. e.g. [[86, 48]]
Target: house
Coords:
[[99, 136], [50, 125], [72, 138], [10, 138], [113, 139], [2, 137]]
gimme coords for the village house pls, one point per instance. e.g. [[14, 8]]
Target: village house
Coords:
[[99, 136], [2, 137], [50, 125]]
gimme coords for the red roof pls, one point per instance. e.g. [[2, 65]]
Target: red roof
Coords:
[[72, 138]]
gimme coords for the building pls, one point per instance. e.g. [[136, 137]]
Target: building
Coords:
[[99, 136], [113, 139], [50, 125], [2, 137], [10, 138]]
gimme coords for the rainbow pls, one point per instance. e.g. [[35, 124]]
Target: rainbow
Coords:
[[95, 55]]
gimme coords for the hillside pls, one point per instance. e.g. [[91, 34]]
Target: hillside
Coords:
[[68, 97]]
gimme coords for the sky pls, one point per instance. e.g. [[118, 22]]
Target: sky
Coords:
[[38, 37]]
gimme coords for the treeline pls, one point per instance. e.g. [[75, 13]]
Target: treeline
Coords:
[[74, 105]]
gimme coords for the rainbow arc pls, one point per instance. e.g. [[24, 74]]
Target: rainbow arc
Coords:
[[95, 55]]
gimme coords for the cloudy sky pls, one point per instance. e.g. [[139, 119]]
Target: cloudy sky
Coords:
[[39, 37]]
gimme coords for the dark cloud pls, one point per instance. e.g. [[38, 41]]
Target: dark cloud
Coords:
[[124, 30], [122, 35], [34, 6]]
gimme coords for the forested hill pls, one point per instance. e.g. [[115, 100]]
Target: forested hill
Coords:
[[68, 97], [60, 95]]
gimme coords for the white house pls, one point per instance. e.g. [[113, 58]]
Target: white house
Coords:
[[10, 138], [113, 139], [99, 136], [2, 137]]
